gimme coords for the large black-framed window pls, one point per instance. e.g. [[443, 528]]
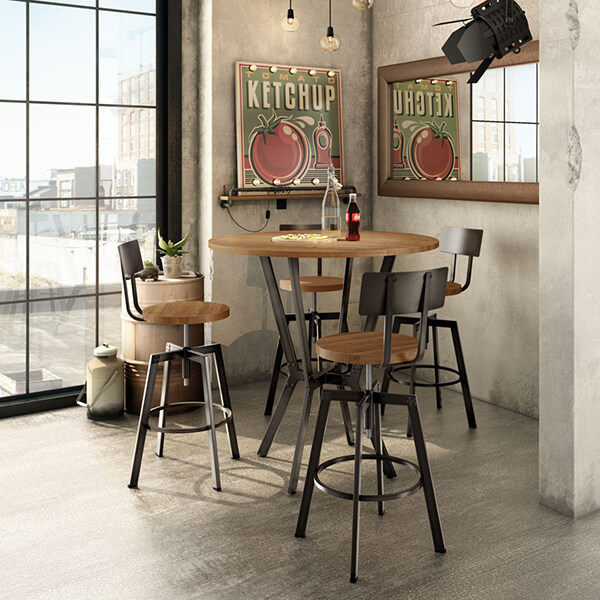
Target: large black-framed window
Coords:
[[505, 125], [90, 114]]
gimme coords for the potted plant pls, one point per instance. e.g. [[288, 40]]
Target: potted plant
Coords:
[[172, 254], [150, 271]]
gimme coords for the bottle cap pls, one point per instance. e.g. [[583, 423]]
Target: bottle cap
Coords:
[[105, 351], [353, 197]]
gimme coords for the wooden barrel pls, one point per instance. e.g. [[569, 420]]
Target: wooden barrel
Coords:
[[141, 339]]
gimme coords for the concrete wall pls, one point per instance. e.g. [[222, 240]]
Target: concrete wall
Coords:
[[498, 315], [241, 30], [569, 288]]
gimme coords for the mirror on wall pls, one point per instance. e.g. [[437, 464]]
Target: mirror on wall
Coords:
[[440, 137]]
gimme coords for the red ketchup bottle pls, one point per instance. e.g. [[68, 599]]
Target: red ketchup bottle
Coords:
[[353, 220]]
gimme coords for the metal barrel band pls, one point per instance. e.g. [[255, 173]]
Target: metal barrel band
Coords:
[[368, 497], [228, 416], [421, 384]]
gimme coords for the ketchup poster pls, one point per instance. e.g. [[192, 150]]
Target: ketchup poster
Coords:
[[289, 125], [426, 143]]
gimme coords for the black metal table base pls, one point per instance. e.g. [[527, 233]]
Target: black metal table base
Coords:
[[300, 368]]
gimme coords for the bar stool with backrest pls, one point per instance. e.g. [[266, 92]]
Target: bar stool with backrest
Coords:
[[458, 241], [385, 294], [184, 313]]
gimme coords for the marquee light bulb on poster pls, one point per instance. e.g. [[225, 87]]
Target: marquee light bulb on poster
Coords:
[[362, 4], [330, 42], [290, 23]]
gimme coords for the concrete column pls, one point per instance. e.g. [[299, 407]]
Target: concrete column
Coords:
[[569, 256]]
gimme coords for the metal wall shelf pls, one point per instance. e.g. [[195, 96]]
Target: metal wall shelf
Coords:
[[278, 193]]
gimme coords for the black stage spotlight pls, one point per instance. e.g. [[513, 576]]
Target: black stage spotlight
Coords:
[[497, 28]]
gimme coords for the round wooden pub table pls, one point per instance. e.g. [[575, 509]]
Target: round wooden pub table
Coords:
[[372, 244]]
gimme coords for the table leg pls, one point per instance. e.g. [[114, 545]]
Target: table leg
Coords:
[[294, 266], [288, 349], [343, 324]]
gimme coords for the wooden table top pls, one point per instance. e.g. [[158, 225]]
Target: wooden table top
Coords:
[[372, 243]]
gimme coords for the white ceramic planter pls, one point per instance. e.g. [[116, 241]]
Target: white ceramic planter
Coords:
[[172, 265]]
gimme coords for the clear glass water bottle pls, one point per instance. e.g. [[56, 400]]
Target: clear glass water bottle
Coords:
[[330, 212]]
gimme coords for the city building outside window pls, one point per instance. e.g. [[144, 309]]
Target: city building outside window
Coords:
[[64, 144], [506, 102]]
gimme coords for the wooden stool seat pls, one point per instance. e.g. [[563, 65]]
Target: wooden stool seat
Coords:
[[453, 288], [315, 284], [366, 348], [185, 312]]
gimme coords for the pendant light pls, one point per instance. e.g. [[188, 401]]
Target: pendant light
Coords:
[[362, 4], [330, 42], [290, 22]]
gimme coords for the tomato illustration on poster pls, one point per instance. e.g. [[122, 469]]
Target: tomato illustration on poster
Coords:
[[289, 125], [426, 139]]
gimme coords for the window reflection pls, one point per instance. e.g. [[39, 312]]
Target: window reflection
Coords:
[[504, 115]]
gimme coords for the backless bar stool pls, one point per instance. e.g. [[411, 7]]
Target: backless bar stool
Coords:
[[455, 241], [384, 294], [314, 284], [184, 313]]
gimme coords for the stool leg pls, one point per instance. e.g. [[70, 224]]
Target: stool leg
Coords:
[[432, 509], [210, 419], [313, 464], [464, 382], [274, 379], [379, 450], [297, 460], [413, 374], [226, 401], [162, 415], [318, 334], [143, 422], [385, 383], [347, 420], [356, 494], [436, 365]]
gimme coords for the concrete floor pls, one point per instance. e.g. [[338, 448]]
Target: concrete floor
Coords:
[[71, 529]]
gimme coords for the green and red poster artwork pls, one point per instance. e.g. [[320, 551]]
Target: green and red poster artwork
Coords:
[[426, 143], [289, 125]]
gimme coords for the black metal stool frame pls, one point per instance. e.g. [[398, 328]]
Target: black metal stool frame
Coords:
[[461, 370], [200, 355], [368, 409], [456, 241], [131, 262]]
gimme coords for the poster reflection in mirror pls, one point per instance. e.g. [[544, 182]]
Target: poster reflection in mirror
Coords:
[[426, 134]]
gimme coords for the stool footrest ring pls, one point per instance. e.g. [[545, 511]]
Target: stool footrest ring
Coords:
[[368, 497], [421, 384], [228, 416]]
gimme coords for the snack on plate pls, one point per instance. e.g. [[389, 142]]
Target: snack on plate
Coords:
[[304, 236]]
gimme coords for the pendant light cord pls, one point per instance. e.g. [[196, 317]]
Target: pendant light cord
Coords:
[[329, 13]]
